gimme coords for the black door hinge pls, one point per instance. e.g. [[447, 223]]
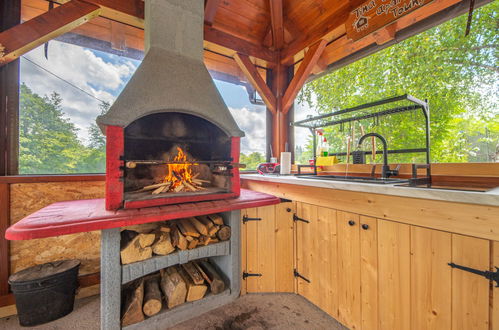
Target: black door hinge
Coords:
[[491, 276], [246, 219], [246, 275], [297, 218], [296, 274]]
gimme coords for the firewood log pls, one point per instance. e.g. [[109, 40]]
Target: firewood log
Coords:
[[146, 240], [163, 244], [192, 244], [204, 240], [190, 186], [212, 229], [179, 188], [132, 306], [193, 273], [165, 229], [224, 233], [178, 239], [194, 291], [189, 238], [152, 297], [187, 228], [216, 219], [134, 249], [217, 285], [173, 287], [200, 227]]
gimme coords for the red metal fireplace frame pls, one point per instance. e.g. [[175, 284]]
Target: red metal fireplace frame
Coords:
[[115, 188]]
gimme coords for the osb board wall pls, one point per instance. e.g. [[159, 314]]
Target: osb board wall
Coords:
[[26, 198]]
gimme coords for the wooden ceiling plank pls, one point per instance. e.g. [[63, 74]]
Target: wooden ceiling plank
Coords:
[[277, 23], [24, 37], [256, 80], [210, 10], [242, 46], [306, 66]]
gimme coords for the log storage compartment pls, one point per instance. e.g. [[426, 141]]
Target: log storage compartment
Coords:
[[163, 273]]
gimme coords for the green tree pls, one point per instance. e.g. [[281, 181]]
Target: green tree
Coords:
[[457, 74], [48, 142], [252, 160]]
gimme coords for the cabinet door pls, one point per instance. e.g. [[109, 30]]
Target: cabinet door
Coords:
[[316, 256], [349, 304], [495, 290], [394, 275], [369, 272], [470, 292], [431, 281]]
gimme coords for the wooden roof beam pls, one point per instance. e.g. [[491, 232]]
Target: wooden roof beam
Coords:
[[24, 37], [277, 23], [131, 12], [256, 80], [210, 10], [309, 61]]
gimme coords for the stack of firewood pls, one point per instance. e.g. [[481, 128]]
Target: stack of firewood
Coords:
[[142, 243], [182, 184], [175, 285]]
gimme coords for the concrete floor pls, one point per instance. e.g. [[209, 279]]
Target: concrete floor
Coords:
[[252, 311]]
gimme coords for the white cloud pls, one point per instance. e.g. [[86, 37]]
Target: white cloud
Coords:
[[82, 68], [252, 121]]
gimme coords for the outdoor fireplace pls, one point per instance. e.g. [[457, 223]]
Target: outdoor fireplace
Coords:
[[170, 136]]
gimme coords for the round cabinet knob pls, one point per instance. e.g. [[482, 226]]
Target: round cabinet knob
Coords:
[[351, 223], [365, 226], [288, 210]]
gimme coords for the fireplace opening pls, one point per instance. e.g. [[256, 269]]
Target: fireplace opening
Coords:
[[173, 154]]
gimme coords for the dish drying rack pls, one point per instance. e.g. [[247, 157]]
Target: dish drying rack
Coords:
[[331, 119]]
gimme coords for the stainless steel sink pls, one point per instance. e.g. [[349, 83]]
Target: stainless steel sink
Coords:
[[361, 179]]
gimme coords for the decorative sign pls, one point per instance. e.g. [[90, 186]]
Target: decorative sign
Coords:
[[374, 14]]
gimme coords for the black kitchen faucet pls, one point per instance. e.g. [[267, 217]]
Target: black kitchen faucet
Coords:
[[385, 172]]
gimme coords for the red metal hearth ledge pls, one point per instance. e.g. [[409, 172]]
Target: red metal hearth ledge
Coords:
[[86, 215]]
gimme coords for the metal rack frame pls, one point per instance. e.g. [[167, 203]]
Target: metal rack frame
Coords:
[[313, 124]]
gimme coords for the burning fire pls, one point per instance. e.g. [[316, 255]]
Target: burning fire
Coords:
[[180, 171]]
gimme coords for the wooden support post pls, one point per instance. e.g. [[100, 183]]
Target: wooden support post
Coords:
[[210, 10], [22, 38], [256, 80], [280, 123], [10, 16]]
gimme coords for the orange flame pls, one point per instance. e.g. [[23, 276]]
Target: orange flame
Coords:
[[180, 172]]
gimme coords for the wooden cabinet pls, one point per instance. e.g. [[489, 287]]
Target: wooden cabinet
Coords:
[[268, 248], [372, 273]]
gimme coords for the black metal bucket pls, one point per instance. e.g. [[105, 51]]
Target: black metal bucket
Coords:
[[45, 292]]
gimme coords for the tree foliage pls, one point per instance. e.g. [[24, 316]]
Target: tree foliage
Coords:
[[48, 142], [457, 74]]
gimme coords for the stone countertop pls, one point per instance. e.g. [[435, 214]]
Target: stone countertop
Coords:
[[490, 197]]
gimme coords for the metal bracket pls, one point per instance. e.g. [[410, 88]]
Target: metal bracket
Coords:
[[246, 275], [246, 219], [491, 276], [296, 274], [297, 218]]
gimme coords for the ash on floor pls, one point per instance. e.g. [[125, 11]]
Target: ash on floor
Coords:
[[252, 311]]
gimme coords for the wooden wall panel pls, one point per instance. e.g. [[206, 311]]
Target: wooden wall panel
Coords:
[[349, 308], [431, 281], [470, 292], [394, 275], [369, 272], [29, 197]]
